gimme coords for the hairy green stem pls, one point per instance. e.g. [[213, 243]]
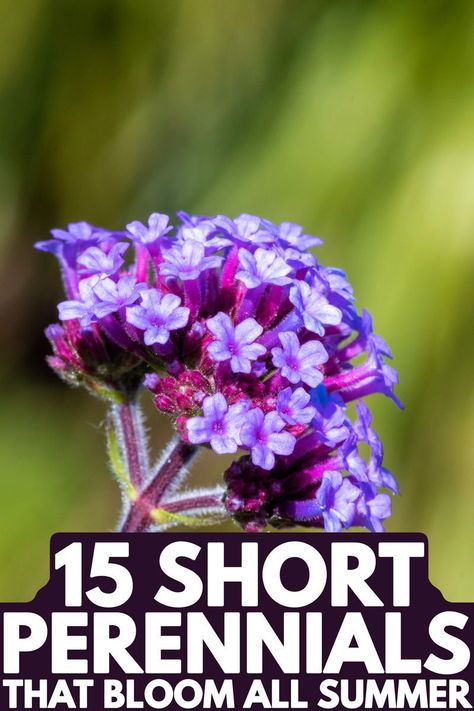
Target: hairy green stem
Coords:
[[130, 435]]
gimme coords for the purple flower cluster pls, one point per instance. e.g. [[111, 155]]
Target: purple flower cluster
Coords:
[[248, 342]]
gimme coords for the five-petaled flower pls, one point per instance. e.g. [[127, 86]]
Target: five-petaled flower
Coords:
[[83, 307], [263, 435], [265, 266], [187, 261], [158, 226], [115, 295], [157, 315], [95, 261], [314, 308], [294, 406], [299, 363], [235, 343], [219, 425]]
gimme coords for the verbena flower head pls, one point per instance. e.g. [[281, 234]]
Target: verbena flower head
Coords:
[[249, 343]]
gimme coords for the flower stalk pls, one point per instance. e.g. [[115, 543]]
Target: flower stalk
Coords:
[[131, 437], [150, 492]]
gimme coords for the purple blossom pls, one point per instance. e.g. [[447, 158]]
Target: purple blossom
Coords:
[[187, 261], [298, 260], [158, 226], [337, 282], [157, 315], [364, 432], [263, 267], [372, 508], [248, 228], [362, 426], [207, 234], [373, 376], [292, 234], [294, 406], [366, 338], [67, 244], [235, 343], [381, 377], [263, 435], [351, 459], [330, 421], [314, 308], [380, 476], [82, 308], [299, 363], [95, 261], [111, 296], [377, 474], [241, 320], [220, 424], [77, 233], [191, 220], [336, 499]]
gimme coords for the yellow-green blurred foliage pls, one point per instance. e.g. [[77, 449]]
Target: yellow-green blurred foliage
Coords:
[[353, 118]]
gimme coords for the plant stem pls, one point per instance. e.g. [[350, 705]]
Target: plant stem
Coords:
[[138, 517], [192, 502], [132, 441]]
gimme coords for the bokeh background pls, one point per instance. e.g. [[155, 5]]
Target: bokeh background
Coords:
[[353, 118]]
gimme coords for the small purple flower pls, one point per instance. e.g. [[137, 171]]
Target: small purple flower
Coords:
[[372, 508], [366, 338], [113, 296], [79, 232], [263, 267], [337, 498], [78, 235], [191, 220], [235, 343], [314, 308], [337, 282], [263, 435], [158, 226], [220, 424], [294, 407], [95, 261], [352, 461], [381, 372], [299, 363], [380, 476], [83, 308], [187, 261], [377, 474], [330, 421], [248, 228], [298, 260], [362, 426], [292, 234], [157, 315], [207, 234]]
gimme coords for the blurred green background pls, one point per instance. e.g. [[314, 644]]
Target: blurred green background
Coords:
[[353, 118]]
